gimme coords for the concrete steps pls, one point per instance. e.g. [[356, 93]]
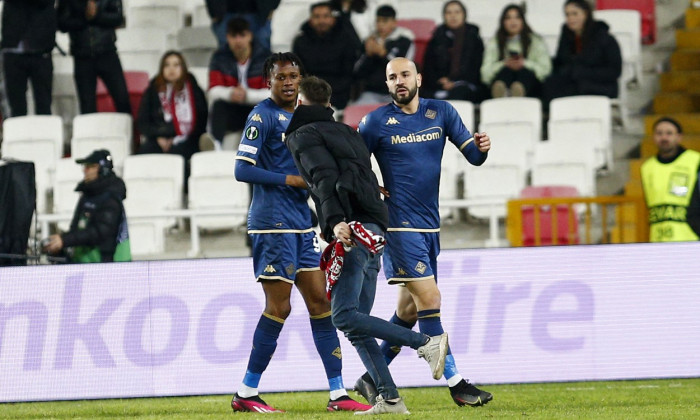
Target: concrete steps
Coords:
[[687, 81], [674, 102]]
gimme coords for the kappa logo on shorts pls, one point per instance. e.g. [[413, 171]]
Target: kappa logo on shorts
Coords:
[[420, 267], [400, 272], [290, 269], [392, 121], [252, 133], [430, 114], [270, 269], [337, 353], [256, 118]]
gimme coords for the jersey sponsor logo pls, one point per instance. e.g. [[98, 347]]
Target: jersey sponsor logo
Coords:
[[289, 269], [678, 185], [392, 121], [431, 114], [270, 269], [282, 117], [337, 353], [256, 118], [420, 267], [247, 149], [252, 133], [429, 134]]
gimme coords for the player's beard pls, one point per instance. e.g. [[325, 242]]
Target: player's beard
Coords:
[[406, 99]]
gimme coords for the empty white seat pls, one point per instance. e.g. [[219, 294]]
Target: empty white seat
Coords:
[[201, 74], [68, 175], [103, 130], [200, 16], [465, 109], [154, 183], [547, 25], [419, 9], [141, 48], [197, 44], [167, 16], [514, 123], [38, 139], [559, 162], [451, 169], [212, 186], [286, 23], [583, 119], [64, 101]]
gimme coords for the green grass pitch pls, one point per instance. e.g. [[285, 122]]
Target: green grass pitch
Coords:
[[647, 399]]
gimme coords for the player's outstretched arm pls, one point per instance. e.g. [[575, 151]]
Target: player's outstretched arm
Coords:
[[247, 172]]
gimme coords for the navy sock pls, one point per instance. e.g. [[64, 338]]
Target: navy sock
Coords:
[[429, 323], [264, 344], [328, 347], [389, 350]]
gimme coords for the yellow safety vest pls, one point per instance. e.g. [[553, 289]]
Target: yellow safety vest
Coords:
[[667, 190]]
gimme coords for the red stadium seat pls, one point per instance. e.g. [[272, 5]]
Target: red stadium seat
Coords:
[[352, 115], [136, 84], [646, 8], [423, 30], [545, 216]]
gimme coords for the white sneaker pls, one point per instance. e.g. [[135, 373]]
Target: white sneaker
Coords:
[[384, 407], [434, 352]]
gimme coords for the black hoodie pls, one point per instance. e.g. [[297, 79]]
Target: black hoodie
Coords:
[[97, 216], [593, 71], [334, 161]]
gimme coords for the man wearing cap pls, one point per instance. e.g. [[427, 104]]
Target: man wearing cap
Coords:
[[98, 231]]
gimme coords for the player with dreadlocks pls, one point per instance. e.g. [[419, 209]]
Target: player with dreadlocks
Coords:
[[286, 251]]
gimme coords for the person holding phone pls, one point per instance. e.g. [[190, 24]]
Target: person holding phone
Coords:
[[516, 60]]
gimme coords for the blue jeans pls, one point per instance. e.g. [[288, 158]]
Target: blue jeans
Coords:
[[351, 302]]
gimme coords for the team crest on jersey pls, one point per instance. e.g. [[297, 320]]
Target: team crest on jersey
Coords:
[[282, 117], [430, 114], [252, 133], [289, 269], [420, 267], [256, 118], [400, 272], [392, 121], [270, 269], [337, 353]]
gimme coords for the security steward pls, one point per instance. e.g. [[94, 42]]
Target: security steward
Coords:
[[670, 184], [98, 231]]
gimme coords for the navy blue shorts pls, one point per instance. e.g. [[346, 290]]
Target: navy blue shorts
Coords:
[[411, 256], [280, 256]]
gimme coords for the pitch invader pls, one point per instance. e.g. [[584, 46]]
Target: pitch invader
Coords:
[[408, 137], [286, 251]]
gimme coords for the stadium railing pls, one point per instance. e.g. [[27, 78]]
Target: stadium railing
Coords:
[[626, 223]]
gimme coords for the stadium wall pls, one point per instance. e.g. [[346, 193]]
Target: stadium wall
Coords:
[[165, 328]]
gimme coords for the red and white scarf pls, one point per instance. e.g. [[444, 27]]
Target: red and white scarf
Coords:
[[178, 107], [334, 254]]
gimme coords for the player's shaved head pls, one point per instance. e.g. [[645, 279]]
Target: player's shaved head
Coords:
[[400, 64]]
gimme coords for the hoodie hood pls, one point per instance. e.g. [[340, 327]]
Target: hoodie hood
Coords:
[[307, 114], [110, 183]]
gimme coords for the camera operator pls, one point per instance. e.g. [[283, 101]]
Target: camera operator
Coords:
[[98, 231]]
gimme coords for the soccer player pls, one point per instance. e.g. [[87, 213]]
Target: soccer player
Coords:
[[407, 137], [286, 251], [334, 161]]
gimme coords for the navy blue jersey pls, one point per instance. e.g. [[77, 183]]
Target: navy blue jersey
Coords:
[[408, 148], [274, 208]]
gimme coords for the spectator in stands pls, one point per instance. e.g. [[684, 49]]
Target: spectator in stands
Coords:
[[258, 13], [588, 59], [344, 10], [386, 43], [236, 82], [453, 57], [28, 36], [327, 51], [516, 60], [173, 112], [91, 25], [98, 231], [671, 188]]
